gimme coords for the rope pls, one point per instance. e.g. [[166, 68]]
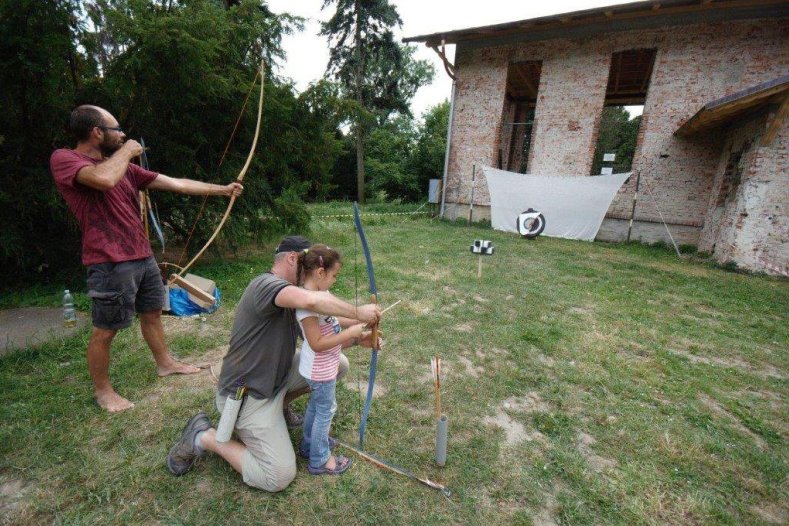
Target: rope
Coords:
[[679, 255], [416, 212]]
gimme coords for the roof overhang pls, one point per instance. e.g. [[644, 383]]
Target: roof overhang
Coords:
[[623, 17], [724, 110]]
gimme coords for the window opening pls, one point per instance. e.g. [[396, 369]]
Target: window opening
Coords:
[[523, 82], [620, 122]]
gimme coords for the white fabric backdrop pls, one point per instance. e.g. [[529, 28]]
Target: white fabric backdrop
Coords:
[[573, 206]]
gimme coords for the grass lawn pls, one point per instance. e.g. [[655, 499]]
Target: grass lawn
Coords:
[[584, 383]]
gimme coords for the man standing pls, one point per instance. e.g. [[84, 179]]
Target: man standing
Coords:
[[101, 187], [262, 355]]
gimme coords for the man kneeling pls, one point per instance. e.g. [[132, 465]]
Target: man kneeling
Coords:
[[263, 353]]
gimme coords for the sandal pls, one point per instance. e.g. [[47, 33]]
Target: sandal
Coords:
[[305, 453], [343, 463]]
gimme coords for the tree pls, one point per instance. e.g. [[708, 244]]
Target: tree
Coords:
[[618, 134], [389, 149], [173, 72], [41, 67], [427, 158], [373, 70]]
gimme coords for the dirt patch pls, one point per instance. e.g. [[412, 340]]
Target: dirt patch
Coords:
[[705, 319], [361, 387], [213, 358], [463, 327], [515, 432], [421, 307], [13, 495], [215, 324], [771, 513], [719, 411], [546, 360], [732, 363], [493, 350], [474, 371], [774, 400], [584, 443], [422, 414], [480, 299], [531, 403], [548, 512]]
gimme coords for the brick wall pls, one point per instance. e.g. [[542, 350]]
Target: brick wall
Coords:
[[693, 66], [748, 218]]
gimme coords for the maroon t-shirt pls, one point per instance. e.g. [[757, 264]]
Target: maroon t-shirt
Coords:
[[112, 230]]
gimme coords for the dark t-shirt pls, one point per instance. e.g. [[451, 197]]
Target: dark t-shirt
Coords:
[[262, 341], [112, 229]]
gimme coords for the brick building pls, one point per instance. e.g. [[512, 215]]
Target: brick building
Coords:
[[713, 146]]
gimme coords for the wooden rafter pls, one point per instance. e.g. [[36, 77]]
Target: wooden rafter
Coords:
[[448, 66], [777, 122], [667, 8], [723, 110], [648, 76]]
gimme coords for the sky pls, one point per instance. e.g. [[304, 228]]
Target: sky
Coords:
[[308, 53]]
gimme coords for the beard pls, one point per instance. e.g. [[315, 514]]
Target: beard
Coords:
[[110, 146]]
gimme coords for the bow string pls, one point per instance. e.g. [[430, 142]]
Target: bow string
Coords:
[[241, 174]]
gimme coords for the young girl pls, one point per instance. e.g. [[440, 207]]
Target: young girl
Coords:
[[324, 339]]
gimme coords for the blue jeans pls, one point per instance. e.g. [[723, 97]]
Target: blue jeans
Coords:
[[317, 421]]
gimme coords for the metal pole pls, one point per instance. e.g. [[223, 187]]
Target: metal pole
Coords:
[[471, 197], [446, 153]]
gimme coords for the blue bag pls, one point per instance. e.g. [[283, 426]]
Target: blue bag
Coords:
[[181, 305]]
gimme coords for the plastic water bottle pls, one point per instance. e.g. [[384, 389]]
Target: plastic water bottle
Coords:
[[69, 314]]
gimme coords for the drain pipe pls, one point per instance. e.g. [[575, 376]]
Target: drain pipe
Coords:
[[446, 153]]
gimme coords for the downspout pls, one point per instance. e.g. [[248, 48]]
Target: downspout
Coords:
[[446, 153]]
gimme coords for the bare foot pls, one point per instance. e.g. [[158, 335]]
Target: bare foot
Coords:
[[177, 368], [331, 463], [112, 402]]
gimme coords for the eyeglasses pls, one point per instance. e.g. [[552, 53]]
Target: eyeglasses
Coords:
[[117, 128]]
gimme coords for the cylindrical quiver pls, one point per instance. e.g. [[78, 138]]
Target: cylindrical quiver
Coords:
[[227, 422], [442, 425]]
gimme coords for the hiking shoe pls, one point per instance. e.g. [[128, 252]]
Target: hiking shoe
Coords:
[[343, 463], [292, 418], [182, 455]]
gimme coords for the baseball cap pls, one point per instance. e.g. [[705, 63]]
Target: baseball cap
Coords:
[[293, 244]]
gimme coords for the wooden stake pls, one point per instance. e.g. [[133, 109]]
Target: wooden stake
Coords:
[[479, 267]]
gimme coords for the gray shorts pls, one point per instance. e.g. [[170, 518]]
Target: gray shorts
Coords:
[[120, 289]]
